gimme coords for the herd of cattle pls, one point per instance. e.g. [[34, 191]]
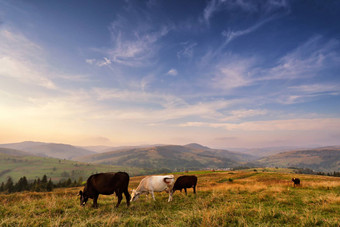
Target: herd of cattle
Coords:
[[109, 183]]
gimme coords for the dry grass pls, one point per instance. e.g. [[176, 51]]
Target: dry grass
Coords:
[[252, 198]]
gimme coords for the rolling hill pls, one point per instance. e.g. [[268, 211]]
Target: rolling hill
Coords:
[[54, 150], [18, 164], [191, 156], [320, 159], [13, 152]]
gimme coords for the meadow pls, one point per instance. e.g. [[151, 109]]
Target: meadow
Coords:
[[261, 197], [33, 167]]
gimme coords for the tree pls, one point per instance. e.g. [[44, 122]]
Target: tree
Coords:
[[68, 182], [49, 186], [9, 186], [2, 187], [44, 179], [22, 184]]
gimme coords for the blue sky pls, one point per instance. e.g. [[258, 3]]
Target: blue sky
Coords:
[[223, 73]]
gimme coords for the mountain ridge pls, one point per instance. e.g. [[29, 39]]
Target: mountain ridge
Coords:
[[53, 150]]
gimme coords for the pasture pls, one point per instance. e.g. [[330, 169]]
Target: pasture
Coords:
[[264, 197]]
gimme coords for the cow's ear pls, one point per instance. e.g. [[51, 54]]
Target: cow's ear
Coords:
[[80, 193]]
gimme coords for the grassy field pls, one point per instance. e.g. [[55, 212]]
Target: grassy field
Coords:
[[251, 198], [33, 167]]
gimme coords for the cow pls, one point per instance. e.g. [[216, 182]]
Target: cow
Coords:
[[185, 182], [296, 181], [106, 184], [153, 184]]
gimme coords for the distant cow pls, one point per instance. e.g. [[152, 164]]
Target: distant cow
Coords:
[[296, 181], [153, 184], [106, 184], [185, 182]]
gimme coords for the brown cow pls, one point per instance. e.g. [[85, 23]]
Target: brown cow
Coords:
[[296, 181], [106, 184], [185, 182]]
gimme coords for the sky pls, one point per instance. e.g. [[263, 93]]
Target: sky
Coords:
[[222, 73]]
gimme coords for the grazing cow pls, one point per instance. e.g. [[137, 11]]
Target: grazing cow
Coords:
[[296, 181], [153, 184], [185, 182], [106, 184]]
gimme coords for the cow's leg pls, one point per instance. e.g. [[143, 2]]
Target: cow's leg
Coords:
[[185, 189], [120, 197], [153, 196], [95, 204], [194, 189], [127, 197], [170, 196]]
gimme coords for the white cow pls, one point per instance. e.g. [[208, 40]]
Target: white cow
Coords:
[[153, 184]]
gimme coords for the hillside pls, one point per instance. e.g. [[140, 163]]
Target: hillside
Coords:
[[321, 159], [170, 157], [264, 197], [235, 156], [54, 150], [14, 152], [32, 167]]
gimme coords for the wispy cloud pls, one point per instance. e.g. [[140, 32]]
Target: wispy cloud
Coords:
[[265, 7], [306, 60], [331, 124], [22, 60], [172, 72], [317, 88], [187, 50], [305, 93], [137, 48], [236, 115], [232, 72], [231, 35]]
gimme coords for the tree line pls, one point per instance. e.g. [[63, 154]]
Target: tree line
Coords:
[[38, 185]]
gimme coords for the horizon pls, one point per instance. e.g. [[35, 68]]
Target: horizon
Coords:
[[222, 73], [233, 149]]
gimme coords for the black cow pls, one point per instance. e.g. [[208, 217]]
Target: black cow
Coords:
[[296, 181], [185, 182], [106, 184]]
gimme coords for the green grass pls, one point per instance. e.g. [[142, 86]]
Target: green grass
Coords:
[[33, 167], [264, 199]]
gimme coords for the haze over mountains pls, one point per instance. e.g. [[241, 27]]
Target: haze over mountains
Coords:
[[319, 159], [53, 150], [191, 156], [175, 157]]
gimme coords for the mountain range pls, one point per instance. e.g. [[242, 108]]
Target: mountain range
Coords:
[[191, 156], [178, 157], [53, 150], [318, 159]]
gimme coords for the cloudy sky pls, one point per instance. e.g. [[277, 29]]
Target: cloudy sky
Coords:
[[223, 73]]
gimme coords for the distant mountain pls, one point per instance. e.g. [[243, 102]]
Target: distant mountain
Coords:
[[102, 149], [54, 150], [267, 151], [192, 156], [319, 159], [16, 164], [235, 156], [8, 151]]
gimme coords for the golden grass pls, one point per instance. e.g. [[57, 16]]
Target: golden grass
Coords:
[[251, 199]]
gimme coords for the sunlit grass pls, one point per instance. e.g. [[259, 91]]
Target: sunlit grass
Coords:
[[263, 198]]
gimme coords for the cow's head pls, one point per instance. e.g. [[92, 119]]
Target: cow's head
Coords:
[[83, 198], [134, 195]]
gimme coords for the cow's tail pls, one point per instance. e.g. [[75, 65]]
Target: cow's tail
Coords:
[[167, 180]]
